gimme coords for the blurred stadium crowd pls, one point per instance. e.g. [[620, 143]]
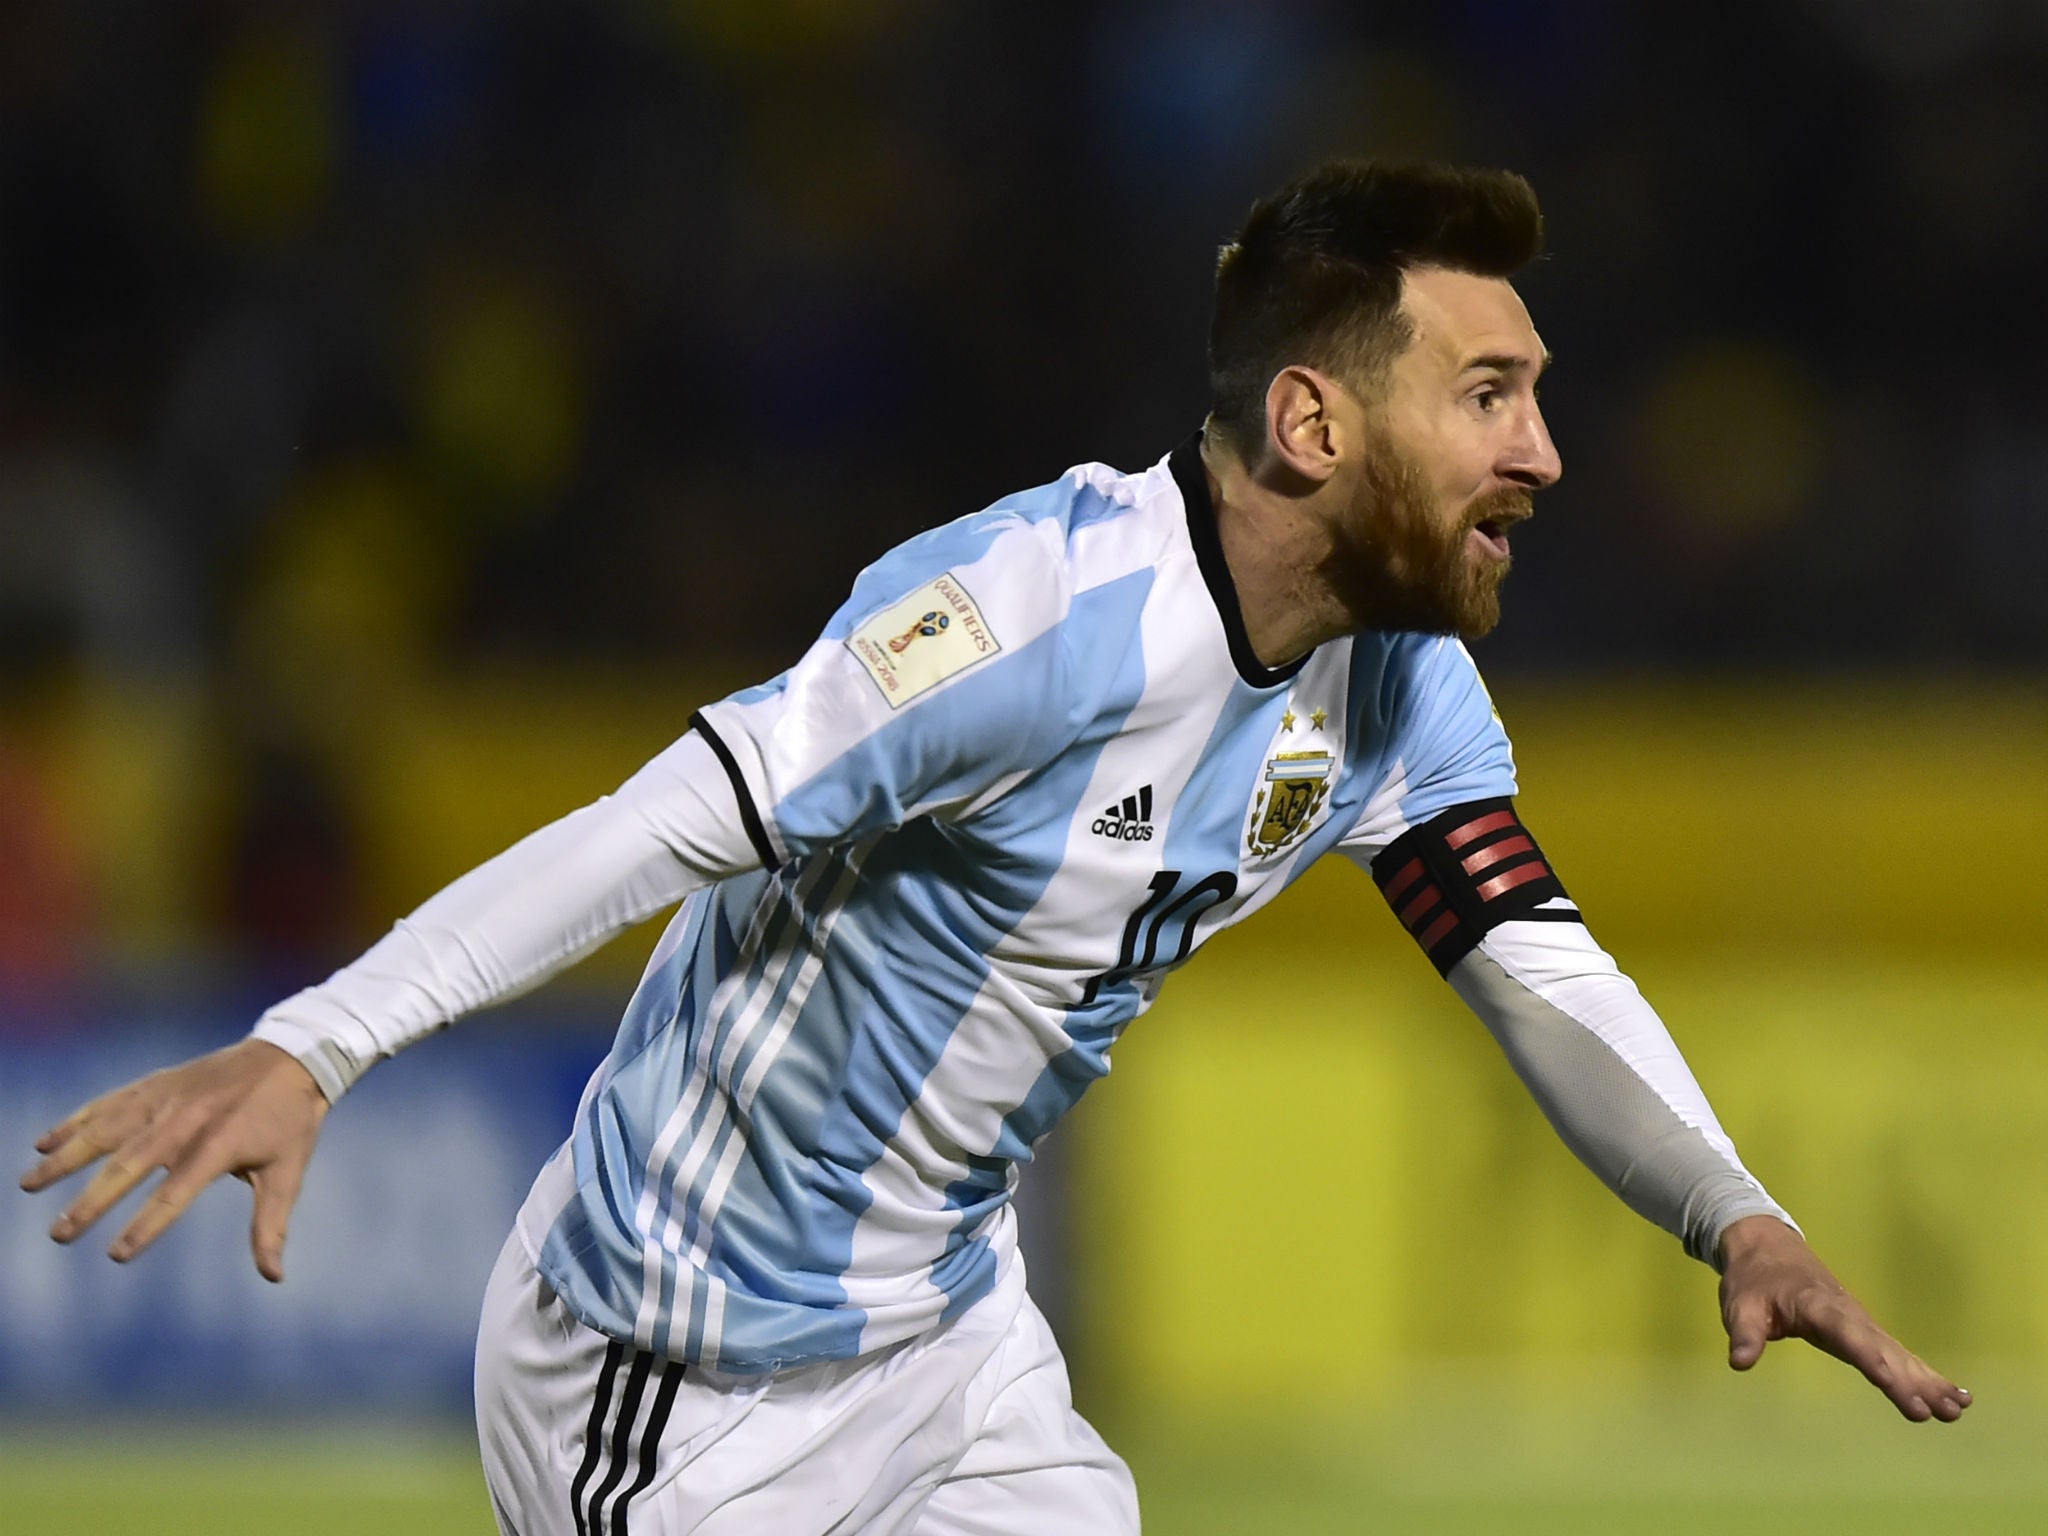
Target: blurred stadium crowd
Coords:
[[350, 352]]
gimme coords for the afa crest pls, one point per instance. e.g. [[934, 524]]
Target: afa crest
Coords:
[[1295, 787]]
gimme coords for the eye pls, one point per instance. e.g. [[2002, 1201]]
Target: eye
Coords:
[[1487, 398]]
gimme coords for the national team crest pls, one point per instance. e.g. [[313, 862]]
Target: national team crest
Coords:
[[1296, 785]]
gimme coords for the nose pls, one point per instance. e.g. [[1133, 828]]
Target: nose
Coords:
[[1531, 459]]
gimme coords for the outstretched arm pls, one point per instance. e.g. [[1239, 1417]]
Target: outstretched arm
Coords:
[[846, 743], [1478, 895], [254, 1108]]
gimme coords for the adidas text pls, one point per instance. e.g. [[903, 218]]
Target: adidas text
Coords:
[[1129, 821], [1123, 831]]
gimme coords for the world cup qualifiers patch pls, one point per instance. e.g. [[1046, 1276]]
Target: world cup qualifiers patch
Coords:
[[930, 636], [1464, 872]]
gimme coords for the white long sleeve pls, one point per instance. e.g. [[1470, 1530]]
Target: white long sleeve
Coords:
[[514, 921], [1610, 1079]]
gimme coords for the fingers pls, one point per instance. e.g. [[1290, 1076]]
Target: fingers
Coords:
[[82, 1137], [277, 1190], [119, 1129], [121, 1174], [63, 1130], [188, 1175], [65, 1158], [1748, 1320], [1914, 1387], [249, 1110]]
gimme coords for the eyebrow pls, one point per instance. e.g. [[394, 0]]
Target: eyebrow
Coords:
[[1506, 362]]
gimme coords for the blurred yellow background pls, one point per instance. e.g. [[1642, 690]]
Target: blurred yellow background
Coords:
[[1309, 1158], [1324, 1256]]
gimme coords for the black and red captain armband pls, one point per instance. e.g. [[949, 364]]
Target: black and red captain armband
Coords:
[[1464, 872]]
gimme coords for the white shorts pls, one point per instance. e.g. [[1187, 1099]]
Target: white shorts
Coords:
[[968, 1430]]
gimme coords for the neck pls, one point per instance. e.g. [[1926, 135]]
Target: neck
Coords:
[[1277, 546]]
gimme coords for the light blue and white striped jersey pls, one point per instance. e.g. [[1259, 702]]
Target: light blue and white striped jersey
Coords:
[[1026, 771]]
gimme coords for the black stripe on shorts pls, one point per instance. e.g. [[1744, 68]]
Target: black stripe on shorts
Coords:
[[593, 1434], [622, 1433], [650, 1442]]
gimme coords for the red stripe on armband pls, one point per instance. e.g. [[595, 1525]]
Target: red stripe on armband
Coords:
[[1473, 830], [1398, 886], [1418, 909], [1431, 936], [1464, 872], [1489, 856], [1500, 885]]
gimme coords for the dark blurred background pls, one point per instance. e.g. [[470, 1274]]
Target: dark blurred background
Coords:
[[409, 411], [345, 340]]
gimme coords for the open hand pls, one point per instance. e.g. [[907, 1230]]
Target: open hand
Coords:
[[1774, 1287], [249, 1110]]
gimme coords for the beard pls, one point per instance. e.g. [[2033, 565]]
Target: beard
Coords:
[[1401, 564]]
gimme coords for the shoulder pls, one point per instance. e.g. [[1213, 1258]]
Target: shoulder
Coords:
[[1409, 674], [1024, 560]]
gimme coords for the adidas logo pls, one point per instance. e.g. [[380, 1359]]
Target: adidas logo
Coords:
[[1130, 822]]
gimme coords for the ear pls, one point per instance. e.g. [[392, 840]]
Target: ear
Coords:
[[1302, 426]]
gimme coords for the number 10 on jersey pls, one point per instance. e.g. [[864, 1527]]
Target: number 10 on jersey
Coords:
[[1164, 922]]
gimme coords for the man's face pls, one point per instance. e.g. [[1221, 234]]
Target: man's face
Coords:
[[1455, 445]]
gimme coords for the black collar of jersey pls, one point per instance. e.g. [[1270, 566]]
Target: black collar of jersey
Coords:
[[1193, 481]]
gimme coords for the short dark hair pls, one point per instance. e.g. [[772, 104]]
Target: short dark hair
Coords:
[[1314, 276]]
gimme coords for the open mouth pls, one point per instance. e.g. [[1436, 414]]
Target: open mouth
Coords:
[[1500, 513], [1493, 535]]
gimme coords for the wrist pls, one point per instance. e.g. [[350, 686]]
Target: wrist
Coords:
[[1748, 1235], [331, 1065]]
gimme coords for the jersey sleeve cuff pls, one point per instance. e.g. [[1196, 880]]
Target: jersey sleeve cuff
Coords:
[[333, 1066]]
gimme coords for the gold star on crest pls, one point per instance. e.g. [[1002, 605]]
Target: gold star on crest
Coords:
[[1316, 717], [1287, 721]]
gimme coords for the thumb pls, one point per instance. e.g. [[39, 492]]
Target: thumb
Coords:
[[277, 1190], [1749, 1328]]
